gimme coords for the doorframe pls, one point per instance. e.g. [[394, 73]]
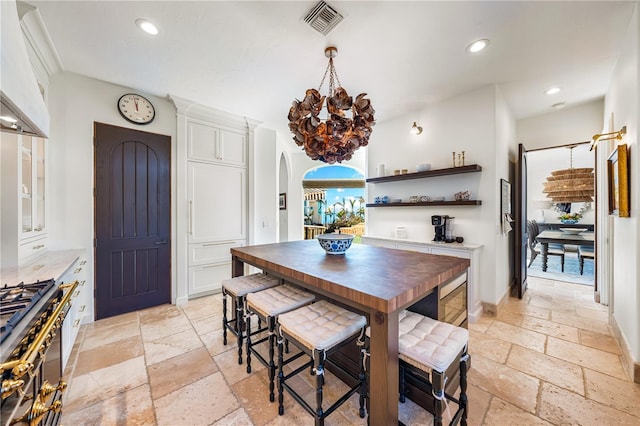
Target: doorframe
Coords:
[[600, 235]]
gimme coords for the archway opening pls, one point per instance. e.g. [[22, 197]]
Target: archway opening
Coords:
[[334, 201]]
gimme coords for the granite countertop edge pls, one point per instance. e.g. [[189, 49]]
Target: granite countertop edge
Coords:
[[51, 264]]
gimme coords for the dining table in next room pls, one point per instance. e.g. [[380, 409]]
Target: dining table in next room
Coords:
[[585, 238], [378, 282]]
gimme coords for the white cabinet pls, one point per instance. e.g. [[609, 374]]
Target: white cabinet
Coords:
[[24, 197], [213, 174], [217, 202], [80, 301], [207, 142]]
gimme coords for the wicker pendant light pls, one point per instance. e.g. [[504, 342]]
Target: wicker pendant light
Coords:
[[570, 185]]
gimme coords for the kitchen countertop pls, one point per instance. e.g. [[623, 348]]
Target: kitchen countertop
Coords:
[[459, 246], [51, 264]]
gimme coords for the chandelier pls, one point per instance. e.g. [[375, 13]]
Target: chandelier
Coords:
[[570, 185], [338, 136]]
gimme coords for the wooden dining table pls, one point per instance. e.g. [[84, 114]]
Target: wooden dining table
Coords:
[[378, 282], [585, 238]]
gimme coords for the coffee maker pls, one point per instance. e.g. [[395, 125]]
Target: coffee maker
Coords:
[[442, 225]]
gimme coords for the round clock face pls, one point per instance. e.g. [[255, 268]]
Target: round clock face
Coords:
[[135, 108]]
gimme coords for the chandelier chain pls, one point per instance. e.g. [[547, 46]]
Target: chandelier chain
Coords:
[[333, 77]]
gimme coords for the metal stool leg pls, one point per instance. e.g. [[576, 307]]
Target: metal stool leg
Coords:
[[403, 390], [240, 326], [280, 378], [319, 371], [438, 396], [363, 381], [272, 366], [224, 317], [463, 389], [248, 323]]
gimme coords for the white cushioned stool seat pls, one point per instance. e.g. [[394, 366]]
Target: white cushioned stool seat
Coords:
[[429, 344], [276, 300], [241, 286], [318, 330], [321, 325]]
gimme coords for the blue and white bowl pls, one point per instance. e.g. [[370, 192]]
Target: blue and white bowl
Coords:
[[335, 243]]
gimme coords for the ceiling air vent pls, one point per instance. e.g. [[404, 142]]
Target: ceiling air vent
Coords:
[[323, 18]]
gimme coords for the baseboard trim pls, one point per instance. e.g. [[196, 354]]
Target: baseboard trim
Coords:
[[494, 308], [631, 367]]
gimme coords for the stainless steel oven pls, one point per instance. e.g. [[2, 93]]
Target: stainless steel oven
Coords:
[[31, 352]]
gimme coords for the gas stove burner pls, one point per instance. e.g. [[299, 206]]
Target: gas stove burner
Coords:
[[16, 301]]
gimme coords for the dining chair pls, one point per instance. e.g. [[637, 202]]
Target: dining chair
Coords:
[[585, 252], [553, 250]]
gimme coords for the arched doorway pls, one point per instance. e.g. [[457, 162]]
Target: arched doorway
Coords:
[[333, 200]]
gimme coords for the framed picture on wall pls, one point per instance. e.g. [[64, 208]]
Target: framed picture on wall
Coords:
[[618, 177], [282, 201]]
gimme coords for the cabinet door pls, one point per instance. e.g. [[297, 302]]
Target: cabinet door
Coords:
[[202, 142], [208, 278], [217, 203], [208, 253], [233, 147]]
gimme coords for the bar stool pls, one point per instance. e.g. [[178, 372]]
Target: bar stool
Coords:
[[318, 330], [238, 288], [267, 305], [428, 350]]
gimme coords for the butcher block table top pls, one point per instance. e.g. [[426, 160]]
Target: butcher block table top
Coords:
[[375, 280]]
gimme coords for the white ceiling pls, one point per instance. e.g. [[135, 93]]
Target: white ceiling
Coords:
[[253, 58]]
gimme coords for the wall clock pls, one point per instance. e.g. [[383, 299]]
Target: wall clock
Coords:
[[136, 109]]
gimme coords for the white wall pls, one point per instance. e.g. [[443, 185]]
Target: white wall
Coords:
[[562, 127], [622, 107], [505, 156], [75, 102], [554, 129], [478, 123], [264, 182], [283, 188]]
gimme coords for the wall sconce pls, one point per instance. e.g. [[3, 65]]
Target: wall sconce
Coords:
[[607, 136], [415, 129]]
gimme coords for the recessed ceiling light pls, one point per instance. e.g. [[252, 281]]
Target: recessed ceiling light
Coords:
[[559, 105], [552, 91], [477, 45], [147, 26]]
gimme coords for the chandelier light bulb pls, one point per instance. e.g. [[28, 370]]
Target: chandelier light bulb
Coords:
[[415, 129]]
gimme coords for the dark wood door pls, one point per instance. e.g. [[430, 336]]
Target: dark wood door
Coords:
[[520, 221], [133, 220]]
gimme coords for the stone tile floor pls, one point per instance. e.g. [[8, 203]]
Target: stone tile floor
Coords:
[[548, 359]]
